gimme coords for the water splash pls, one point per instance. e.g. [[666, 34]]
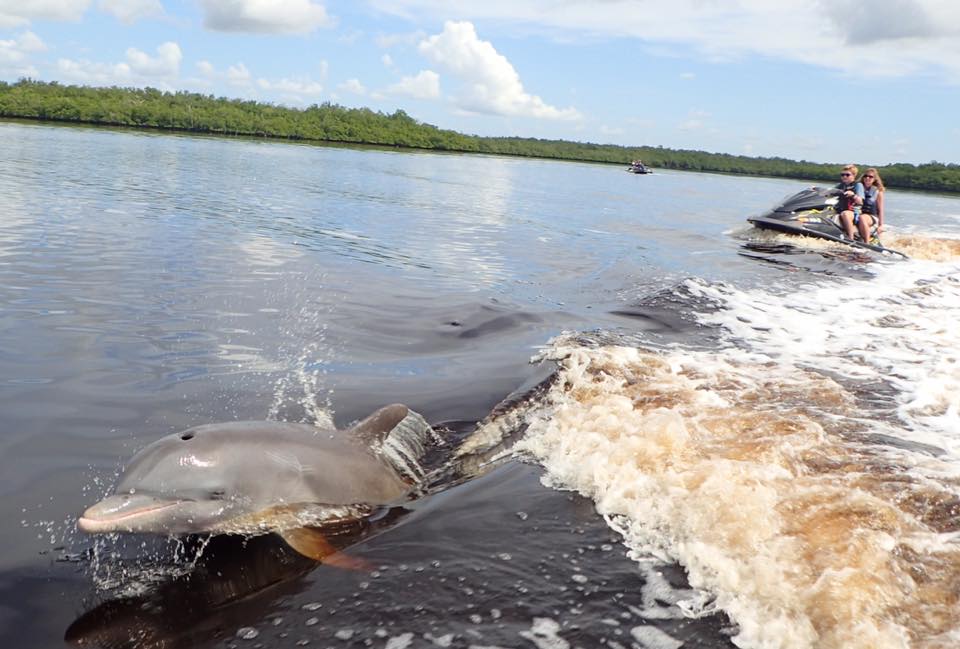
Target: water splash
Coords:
[[302, 385], [407, 443]]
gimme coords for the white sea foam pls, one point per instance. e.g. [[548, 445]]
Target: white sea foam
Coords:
[[759, 477], [650, 637], [898, 328], [545, 634]]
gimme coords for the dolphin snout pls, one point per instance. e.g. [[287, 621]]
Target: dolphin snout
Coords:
[[123, 513]]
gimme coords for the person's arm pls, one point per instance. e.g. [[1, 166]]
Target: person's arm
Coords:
[[880, 212], [858, 194]]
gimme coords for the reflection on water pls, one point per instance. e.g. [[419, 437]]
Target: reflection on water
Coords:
[[236, 584]]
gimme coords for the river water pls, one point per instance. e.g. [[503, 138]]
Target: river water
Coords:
[[743, 440]]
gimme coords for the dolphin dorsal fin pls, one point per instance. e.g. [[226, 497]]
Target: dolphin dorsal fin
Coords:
[[376, 427]]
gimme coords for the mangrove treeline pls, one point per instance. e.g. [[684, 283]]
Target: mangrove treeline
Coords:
[[186, 111]]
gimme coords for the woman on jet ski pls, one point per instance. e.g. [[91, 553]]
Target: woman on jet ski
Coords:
[[872, 211], [851, 198]]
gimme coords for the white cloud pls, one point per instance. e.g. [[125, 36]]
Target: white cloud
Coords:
[[291, 91], [353, 86], [30, 42], [611, 131], [294, 87], [239, 75], [14, 55], [97, 74], [139, 68], [884, 37], [393, 40], [490, 83], [425, 85], [14, 13], [18, 48], [265, 16], [387, 60], [206, 68], [130, 11], [350, 37], [687, 75], [165, 64], [694, 121]]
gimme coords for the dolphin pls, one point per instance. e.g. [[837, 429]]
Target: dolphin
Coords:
[[256, 477]]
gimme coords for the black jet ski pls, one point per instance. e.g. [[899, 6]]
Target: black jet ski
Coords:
[[812, 213], [639, 168]]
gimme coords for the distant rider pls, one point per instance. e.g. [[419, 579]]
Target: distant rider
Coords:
[[851, 200]]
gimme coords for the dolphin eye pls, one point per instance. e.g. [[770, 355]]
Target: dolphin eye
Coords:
[[186, 436]]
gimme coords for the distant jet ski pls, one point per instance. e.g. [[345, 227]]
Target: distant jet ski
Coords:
[[638, 167], [812, 213]]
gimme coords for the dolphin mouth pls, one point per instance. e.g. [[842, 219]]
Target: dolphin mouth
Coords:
[[122, 514]]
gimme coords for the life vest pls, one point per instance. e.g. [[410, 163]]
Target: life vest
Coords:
[[870, 197], [846, 202]]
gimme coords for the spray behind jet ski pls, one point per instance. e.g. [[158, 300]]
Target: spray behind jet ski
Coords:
[[812, 213]]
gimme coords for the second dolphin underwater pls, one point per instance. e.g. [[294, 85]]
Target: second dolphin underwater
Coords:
[[264, 476]]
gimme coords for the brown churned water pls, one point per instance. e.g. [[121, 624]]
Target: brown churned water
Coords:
[[762, 483], [919, 246]]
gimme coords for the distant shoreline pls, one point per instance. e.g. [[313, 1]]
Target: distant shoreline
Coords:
[[330, 124]]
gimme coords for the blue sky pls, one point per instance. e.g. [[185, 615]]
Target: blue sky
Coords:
[[822, 80]]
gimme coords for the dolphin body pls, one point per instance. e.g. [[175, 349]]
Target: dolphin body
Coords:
[[261, 476]]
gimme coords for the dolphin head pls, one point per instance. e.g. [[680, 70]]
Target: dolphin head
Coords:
[[177, 485]]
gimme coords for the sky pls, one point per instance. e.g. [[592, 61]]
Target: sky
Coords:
[[822, 80]]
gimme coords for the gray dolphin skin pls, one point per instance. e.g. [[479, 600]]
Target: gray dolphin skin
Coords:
[[262, 476]]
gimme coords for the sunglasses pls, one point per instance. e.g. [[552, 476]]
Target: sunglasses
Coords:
[[870, 177], [846, 173]]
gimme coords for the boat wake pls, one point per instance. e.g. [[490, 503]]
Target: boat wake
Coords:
[[804, 468], [759, 479], [929, 247]]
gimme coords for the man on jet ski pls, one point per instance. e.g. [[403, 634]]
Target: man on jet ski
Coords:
[[851, 199]]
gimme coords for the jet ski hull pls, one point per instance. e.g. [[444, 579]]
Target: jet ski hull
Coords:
[[787, 227]]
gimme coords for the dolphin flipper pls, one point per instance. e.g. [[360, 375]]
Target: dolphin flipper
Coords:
[[313, 544], [375, 428]]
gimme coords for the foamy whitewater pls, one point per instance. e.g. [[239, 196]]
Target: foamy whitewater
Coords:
[[806, 473]]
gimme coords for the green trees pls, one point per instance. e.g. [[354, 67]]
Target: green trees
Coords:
[[187, 111]]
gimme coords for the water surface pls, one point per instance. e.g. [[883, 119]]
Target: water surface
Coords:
[[776, 421]]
